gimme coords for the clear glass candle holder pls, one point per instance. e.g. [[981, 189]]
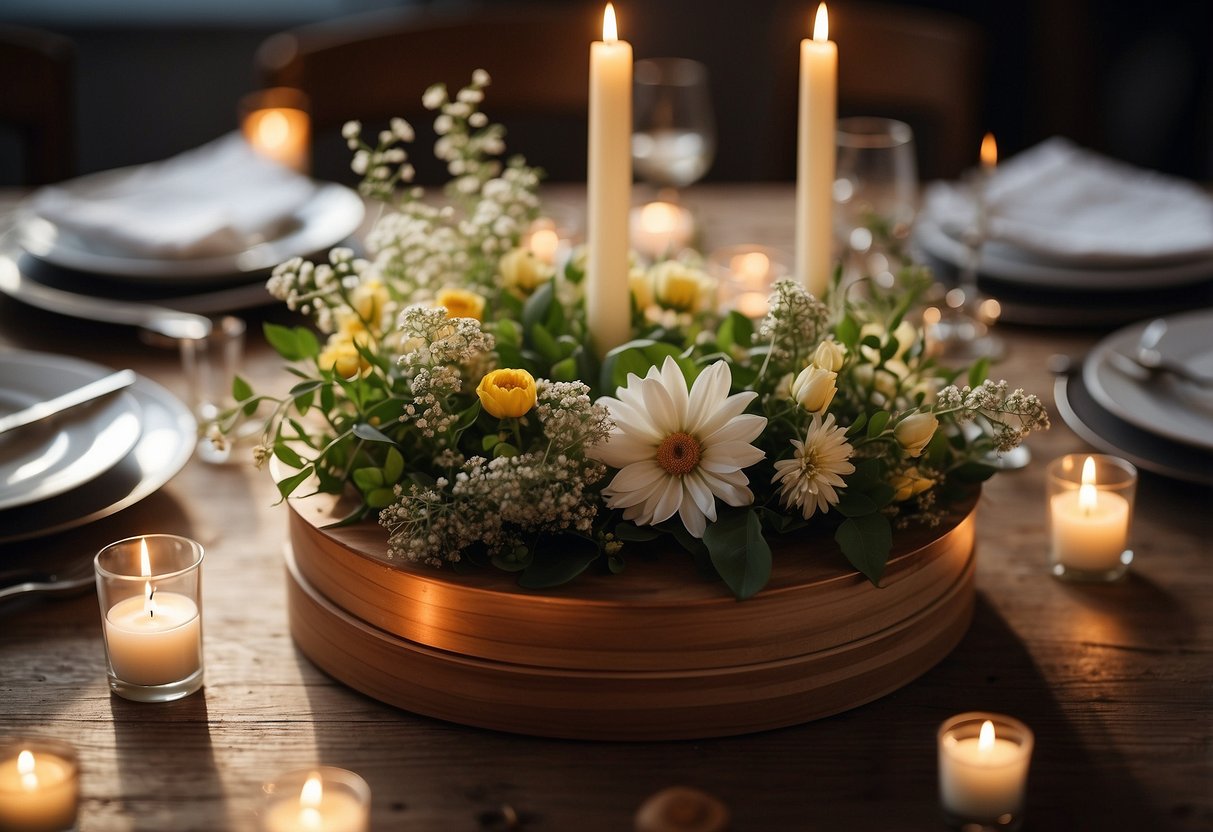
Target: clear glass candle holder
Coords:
[[746, 274], [149, 589], [39, 785], [324, 797], [277, 125], [983, 771], [1090, 508]]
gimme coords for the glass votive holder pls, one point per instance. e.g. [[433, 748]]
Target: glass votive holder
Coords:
[[209, 364], [661, 229], [325, 797], [983, 771], [746, 274], [1090, 504], [276, 124], [149, 589], [39, 785]]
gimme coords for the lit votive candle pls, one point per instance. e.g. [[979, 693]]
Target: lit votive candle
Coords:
[[323, 799], [39, 785], [1090, 513], [746, 274], [983, 770], [150, 594], [276, 124], [661, 229], [547, 241]]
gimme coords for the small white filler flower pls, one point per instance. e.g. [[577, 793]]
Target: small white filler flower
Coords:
[[679, 451], [810, 479]]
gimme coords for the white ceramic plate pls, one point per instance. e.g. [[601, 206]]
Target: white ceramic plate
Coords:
[[55, 455], [1160, 404], [331, 214], [1004, 262], [1108, 433], [165, 445]]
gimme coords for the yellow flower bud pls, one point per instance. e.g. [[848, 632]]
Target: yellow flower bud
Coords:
[[522, 272], [342, 357], [507, 393], [460, 303], [909, 483], [915, 431], [814, 389], [679, 287], [829, 356]]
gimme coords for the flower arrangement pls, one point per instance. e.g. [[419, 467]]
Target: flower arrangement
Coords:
[[454, 392]]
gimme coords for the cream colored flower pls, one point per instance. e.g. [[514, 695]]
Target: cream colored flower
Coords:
[[814, 389], [507, 394], [677, 451], [810, 480], [829, 356], [679, 287], [522, 272], [461, 303], [641, 286], [905, 333], [909, 483], [915, 431]]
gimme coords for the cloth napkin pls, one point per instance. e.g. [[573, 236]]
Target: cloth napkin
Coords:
[[1063, 203], [214, 200]]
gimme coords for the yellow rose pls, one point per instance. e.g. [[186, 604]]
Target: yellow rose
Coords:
[[342, 357], [829, 356], [680, 287], [915, 431], [461, 303], [507, 393], [814, 389], [523, 272], [909, 483], [369, 300]]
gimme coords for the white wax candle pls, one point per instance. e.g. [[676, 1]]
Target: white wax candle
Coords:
[[156, 646], [38, 793], [815, 156], [281, 134], [660, 229], [1091, 536], [607, 300], [317, 809], [982, 777]]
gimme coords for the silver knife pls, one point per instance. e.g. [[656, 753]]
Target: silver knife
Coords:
[[92, 390]]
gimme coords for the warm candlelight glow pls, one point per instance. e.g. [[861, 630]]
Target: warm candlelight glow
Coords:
[[544, 244], [145, 569], [273, 130], [989, 151], [310, 798], [985, 740], [1086, 492], [145, 563], [610, 29], [25, 768], [752, 266], [821, 24], [659, 217]]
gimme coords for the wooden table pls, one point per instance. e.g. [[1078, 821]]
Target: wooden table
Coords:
[[1114, 680]]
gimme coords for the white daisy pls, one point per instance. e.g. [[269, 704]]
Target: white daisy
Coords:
[[679, 451], [810, 478]]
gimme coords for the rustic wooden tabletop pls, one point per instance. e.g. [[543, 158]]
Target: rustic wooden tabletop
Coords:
[[1116, 681]]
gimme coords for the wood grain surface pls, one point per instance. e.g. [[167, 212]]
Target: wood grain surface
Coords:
[[1116, 681]]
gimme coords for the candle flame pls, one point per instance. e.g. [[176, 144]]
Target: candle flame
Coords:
[[313, 792], [273, 130], [985, 740], [1086, 492], [989, 151], [821, 24], [610, 29], [25, 768], [145, 563], [752, 266]]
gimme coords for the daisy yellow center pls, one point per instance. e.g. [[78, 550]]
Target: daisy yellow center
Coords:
[[679, 453]]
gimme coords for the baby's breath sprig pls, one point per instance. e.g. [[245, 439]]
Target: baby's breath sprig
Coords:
[[385, 166]]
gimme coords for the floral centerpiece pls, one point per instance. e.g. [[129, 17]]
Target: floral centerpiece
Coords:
[[454, 391]]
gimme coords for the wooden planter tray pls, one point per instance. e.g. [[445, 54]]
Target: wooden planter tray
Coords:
[[657, 652]]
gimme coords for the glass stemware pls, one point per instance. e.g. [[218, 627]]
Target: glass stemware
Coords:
[[875, 195], [673, 130]]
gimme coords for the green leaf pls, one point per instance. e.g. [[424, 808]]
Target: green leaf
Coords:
[[855, 504], [306, 341], [287, 454], [736, 330], [739, 552], [857, 425], [287, 486], [380, 498], [489, 441], [364, 431], [979, 371], [557, 565], [866, 475], [393, 466], [847, 332], [565, 369], [368, 479], [877, 423], [504, 449], [241, 389], [545, 343], [631, 533], [889, 349], [866, 542], [283, 340], [508, 331], [937, 449], [535, 309]]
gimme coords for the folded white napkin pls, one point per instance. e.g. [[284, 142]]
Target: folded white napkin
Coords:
[[214, 200], [1063, 203]]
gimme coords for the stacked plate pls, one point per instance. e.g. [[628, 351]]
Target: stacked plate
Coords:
[[197, 233], [1075, 239], [87, 462], [1157, 420]]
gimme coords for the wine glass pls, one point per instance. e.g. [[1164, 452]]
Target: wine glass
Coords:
[[875, 194], [673, 130]]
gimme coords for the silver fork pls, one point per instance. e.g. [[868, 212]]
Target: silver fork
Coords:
[[1151, 358], [72, 579]]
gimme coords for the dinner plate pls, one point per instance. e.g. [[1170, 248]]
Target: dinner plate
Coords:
[[1008, 263], [331, 214], [164, 446], [55, 455], [1159, 404], [1108, 433]]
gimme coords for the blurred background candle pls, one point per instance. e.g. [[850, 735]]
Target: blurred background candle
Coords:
[[661, 229], [324, 799], [1090, 509], [983, 770], [815, 156], [39, 785], [747, 273], [276, 124]]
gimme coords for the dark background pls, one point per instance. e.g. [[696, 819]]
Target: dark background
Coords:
[[1130, 80]]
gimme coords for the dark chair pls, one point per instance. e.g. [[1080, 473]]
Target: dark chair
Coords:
[[371, 67], [37, 103]]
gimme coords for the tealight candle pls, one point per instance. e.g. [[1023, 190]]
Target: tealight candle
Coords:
[[1090, 509], [149, 590], [747, 275], [39, 785], [660, 229], [275, 123], [323, 799], [983, 770]]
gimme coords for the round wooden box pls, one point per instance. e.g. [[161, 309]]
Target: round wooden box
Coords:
[[657, 652]]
